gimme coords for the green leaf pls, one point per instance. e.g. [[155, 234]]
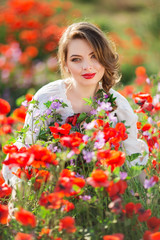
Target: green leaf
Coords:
[[135, 171], [43, 135], [116, 171], [48, 104], [81, 117], [88, 101], [133, 156], [20, 100]]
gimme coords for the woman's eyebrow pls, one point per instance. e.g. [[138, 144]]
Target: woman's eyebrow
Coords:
[[76, 55]]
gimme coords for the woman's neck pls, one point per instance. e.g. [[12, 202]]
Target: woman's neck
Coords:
[[82, 91], [75, 94]]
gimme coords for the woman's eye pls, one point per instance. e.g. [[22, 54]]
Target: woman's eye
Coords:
[[93, 56], [75, 59]]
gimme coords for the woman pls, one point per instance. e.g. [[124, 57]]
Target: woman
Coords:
[[88, 62]]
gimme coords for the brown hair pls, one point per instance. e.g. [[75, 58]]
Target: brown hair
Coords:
[[103, 47]]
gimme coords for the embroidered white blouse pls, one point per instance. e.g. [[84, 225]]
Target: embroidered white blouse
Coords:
[[57, 89]]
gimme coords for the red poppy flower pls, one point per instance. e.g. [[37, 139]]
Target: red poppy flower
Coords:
[[153, 224], [143, 214], [57, 130], [6, 129], [44, 231], [42, 156], [155, 236], [140, 98], [65, 186], [52, 200], [4, 214], [68, 224], [25, 218], [67, 173], [19, 114], [80, 182], [115, 236], [9, 148], [41, 177], [157, 106], [23, 236], [111, 158], [5, 190], [130, 209], [140, 71], [72, 141], [18, 159], [31, 51], [23, 173], [67, 206], [121, 131], [5, 107], [115, 189], [10, 121], [151, 142], [72, 119], [29, 36], [98, 178], [66, 182], [139, 124], [28, 97], [146, 235], [146, 127]]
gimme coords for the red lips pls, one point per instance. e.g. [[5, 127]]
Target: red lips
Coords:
[[89, 75]]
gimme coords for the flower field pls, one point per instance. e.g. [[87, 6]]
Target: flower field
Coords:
[[74, 180], [80, 185]]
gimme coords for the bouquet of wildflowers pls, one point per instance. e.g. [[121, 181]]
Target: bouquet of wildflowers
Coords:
[[75, 183]]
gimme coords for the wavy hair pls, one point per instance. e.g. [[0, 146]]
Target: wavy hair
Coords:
[[104, 50]]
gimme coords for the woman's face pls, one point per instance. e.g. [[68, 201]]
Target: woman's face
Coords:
[[82, 64]]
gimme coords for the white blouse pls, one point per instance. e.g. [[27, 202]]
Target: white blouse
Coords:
[[57, 89]]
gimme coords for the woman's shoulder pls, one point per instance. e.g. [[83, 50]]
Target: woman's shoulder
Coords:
[[51, 87], [54, 88]]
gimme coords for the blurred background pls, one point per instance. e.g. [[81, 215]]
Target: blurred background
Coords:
[[30, 31]]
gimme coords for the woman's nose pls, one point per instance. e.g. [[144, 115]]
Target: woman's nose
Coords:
[[87, 65]]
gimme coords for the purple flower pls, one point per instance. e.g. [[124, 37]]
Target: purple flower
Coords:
[[90, 125], [48, 112], [112, 117], [70, 154], [25, 103], [88, 156], [156, 99], [72, 162], [93, 112], [148, 81], [56, 105], [150, 120], [79, 176], [100, 141], [132, 192], [148, 183], [85, 197], [104, 106], [85, 138], [123, 175]]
